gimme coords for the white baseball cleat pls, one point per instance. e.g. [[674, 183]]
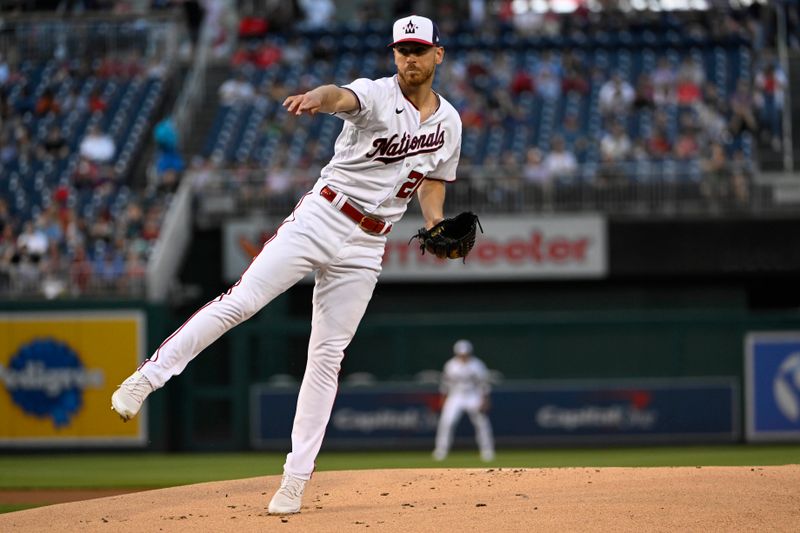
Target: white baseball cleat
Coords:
[[439, 455], [127, 400], [487, 456], [289, 496]]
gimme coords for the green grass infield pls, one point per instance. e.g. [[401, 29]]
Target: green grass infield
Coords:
[[152, 470]]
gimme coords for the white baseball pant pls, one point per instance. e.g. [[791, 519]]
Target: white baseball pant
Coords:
[[454, 406], [348, 261]]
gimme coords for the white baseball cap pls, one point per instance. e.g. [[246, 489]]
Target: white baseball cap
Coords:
[[415, 29], [462, 346]]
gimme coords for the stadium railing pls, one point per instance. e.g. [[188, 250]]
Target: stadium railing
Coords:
[[657, 190]]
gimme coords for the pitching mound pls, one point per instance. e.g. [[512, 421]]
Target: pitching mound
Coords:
[[562, 499]]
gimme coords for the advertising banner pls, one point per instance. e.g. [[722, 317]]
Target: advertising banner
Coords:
[[512, 247], [535, 412], [772, 386], [57, 374]]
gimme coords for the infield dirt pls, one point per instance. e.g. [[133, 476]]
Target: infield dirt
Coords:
[[442, 500]]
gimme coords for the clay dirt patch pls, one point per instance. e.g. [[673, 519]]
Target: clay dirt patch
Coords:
[[496, 500]]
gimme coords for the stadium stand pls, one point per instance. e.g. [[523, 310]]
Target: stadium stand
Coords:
[[630, 114], [681, 96], [74, 120]]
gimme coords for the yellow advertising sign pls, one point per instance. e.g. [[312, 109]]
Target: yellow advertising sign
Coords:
[[57, 374]]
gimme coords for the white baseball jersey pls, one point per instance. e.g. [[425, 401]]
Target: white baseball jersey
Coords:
[[470, 377], [383, 151]]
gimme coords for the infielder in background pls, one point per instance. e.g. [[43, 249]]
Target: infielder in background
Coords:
[[465, 382], [399, 138]]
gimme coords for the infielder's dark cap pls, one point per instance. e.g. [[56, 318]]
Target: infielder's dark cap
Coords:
[[415, 29]]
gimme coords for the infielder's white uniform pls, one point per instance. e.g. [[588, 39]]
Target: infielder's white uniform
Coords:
[[381, 156], [465, 381]]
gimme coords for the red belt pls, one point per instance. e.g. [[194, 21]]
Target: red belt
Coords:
[[369, 224]]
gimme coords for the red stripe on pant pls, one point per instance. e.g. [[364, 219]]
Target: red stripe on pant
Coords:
[[226, 293]]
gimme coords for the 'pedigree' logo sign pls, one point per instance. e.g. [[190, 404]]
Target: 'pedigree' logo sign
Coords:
[[58, 370], [46, 379]]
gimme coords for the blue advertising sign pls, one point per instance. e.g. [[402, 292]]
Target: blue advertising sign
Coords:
[[620, 411], [529, 412], [772, 390]]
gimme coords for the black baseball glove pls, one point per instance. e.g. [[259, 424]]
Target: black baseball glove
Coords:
[[452, 238]]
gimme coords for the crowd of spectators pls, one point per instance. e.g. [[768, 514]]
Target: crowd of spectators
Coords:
[[61, 253], [676, 115], [671, 114], [76, 228]]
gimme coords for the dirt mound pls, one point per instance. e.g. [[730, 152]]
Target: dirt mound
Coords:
[[436, 500]]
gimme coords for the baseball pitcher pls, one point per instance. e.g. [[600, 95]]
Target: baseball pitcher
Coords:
[[399, 138]]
